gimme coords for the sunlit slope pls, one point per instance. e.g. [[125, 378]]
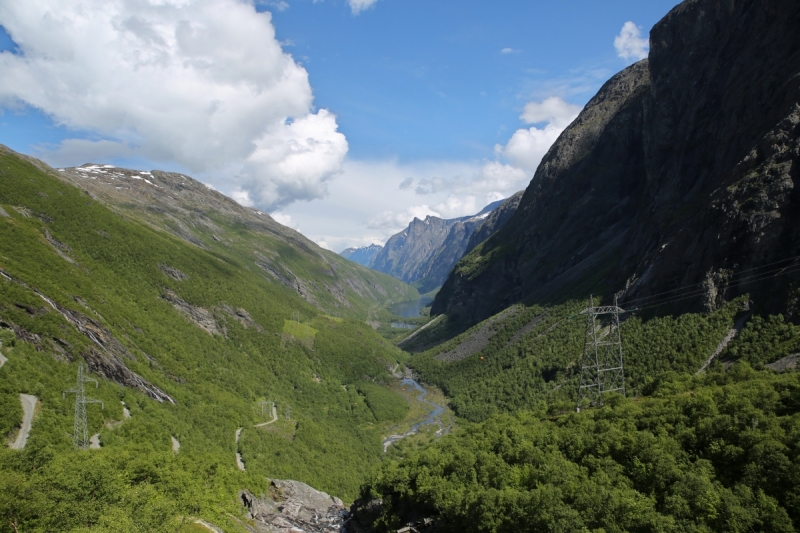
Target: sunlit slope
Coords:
[[716, 452], [192, 339], [529, 357], [210, 220]]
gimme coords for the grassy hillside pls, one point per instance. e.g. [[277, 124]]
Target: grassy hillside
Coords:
[[195, 213], [192, 339]]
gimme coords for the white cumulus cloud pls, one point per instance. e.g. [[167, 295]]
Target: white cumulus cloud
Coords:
[[284, 219], [552, 110], [366, 205], [394, 222], [630, 44], [527, 146], [202, 84], [357, 6]]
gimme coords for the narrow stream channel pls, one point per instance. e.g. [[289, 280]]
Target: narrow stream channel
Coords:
[[433, 417]]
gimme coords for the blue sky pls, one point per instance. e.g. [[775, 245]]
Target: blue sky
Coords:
[[426, 80], [342, 118]]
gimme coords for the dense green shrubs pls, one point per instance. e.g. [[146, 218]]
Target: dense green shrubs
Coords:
[[522, 371], [384, 404], [716, 453], [764, 340]]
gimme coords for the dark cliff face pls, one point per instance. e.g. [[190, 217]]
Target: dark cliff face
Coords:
[[681, 166], [722, 142], [572, 218], [494, 221]]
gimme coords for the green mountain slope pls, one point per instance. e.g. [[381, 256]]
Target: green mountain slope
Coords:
[[526, 357], [193, 339], [207, 219]]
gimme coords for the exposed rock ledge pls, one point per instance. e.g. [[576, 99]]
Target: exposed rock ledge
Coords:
[[292, 507]]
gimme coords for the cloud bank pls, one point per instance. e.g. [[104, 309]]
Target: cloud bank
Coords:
[[373, 200], [528, 146], [630, 44], [200, 83]]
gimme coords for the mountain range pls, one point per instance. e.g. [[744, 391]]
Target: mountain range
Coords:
[[424, 253], [363, 256], [229, 350], [194, 315]]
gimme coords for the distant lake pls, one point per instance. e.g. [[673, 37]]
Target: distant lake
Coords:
[[411, 308], [400, 325]]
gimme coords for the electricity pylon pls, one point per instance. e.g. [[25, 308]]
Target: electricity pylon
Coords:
[[601, 369], [80, 435], [264, 406]]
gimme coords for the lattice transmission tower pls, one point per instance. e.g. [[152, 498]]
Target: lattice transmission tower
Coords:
[[80, 435], [602, 369]]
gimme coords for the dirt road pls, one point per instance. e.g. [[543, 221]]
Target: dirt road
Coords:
[[28, 407], [274, 418]]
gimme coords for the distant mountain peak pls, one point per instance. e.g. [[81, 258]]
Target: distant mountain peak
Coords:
[[363, 255], [425, 251]]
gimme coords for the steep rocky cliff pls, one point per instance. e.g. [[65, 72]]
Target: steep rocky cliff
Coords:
[[679, 175], [426, 250], [496, 220]]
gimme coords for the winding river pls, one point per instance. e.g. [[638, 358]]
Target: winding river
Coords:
[[433, 417]]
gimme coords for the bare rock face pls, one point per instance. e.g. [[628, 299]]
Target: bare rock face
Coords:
[[723, 147], [405, 253], [496, 220], [683, 166], [293, 506], [202, 318], [425, 252]]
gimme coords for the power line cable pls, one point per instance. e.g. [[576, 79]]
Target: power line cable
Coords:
[[744, 281], [629, 302]]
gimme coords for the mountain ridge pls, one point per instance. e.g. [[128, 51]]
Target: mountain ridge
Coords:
[[690, 176], [424, 252], [363, 255], [203, 217]]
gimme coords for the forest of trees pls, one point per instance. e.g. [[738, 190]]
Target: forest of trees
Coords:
[[716, 452]]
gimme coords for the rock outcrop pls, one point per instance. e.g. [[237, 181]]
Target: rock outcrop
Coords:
[[292, 506], [106, 357], [684, 167]]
